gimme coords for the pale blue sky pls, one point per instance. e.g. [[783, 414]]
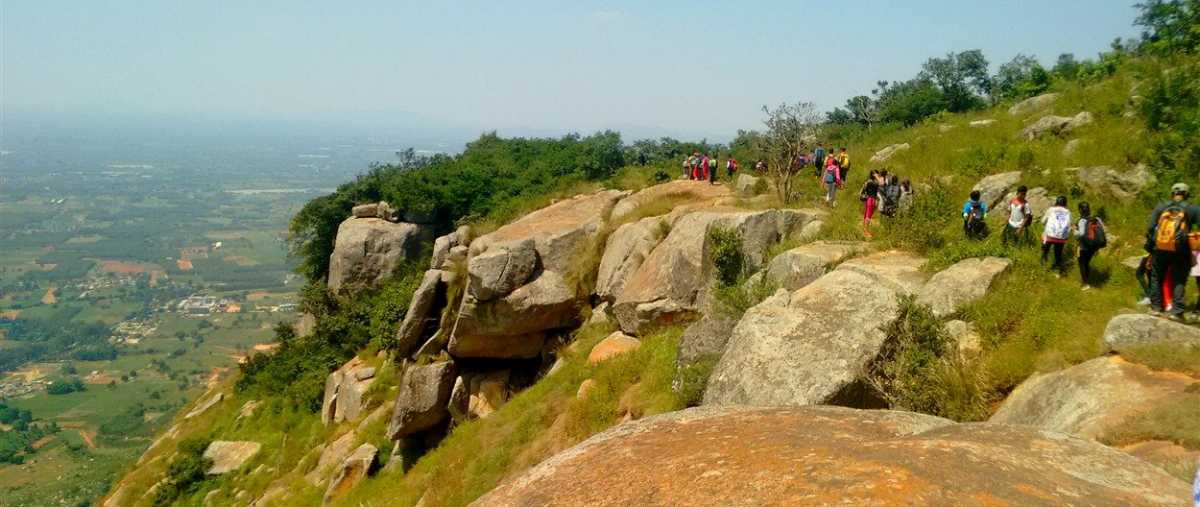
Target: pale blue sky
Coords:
[[679, 67]]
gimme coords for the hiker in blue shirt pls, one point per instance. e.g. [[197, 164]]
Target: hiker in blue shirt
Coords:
[[974, 213]]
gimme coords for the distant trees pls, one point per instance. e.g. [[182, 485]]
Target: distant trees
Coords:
[[791, 131], [65, 385], [1169, 26]]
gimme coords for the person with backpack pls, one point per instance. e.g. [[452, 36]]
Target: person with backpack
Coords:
[[711, 170], [1019, 218], [819, 158], [906, 195], [1167, 241], [974, 214], [843, 160], [832, 179], [890, 196], [869, 195], [1092, 237], [731, 166], [1056, 228]]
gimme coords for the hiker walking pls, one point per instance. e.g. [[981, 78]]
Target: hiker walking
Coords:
[[906, 195], [869, 195], [819, 158], [1019, 218], [974, 215], [710, 170], [1056, 228], [1167, 240], [731, 167], [889, 196], [843, 160], [696, 166], [687, 167], [832, 181], [1092, 237]]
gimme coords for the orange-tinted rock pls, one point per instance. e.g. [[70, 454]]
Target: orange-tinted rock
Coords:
[[820, 455], [615, 344]]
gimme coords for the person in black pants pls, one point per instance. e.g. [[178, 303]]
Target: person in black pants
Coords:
[[1087, 246], [1171, 265]]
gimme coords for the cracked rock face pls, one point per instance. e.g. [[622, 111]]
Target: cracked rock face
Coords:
[[830, 455]]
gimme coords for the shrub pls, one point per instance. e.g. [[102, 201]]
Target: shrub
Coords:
[[727, 257], [186, 472]]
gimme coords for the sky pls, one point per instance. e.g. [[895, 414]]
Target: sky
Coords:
[[682, 68]]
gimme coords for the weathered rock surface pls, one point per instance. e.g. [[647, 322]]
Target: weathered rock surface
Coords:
[[685, 193], [559, 231], [330, 457], [611, 346], [802, 265], [884, 154], [745, 185], [487, 392], [964, 282], [811, 346], [203, 406], [442, 257], [992, 188], [669, 285], [981, 123], [967, 341], [344, 390], [305, 325], [514, 326], [227, 456], [421, 312], [1089, 398], [368, 250], [351, 472], [627, 249], [501, 269], [1128, 330], [705, 338], [831, 455], [372, 210], [1055, 125], [1033, 104], [1120, 184], [1072, 147], [421, 403]]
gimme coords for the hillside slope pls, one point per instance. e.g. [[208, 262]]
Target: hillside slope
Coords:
[[614, 305]]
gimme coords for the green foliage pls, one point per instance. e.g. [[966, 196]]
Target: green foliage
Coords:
[[1024, 76], [1166, 356], [491, 176], [918, 368], [186, 472], [725, 246], [1171, 106], [733, 300], [1169, 26], [693, 379], [66, 385], [922, 227]]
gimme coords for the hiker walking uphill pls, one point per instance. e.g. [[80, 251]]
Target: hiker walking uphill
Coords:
[[843, 161], [1019, 218], [832, 180], [731, 166], [819, 158], [1167, 240], [974, 214], [1092, 237], [1056, 228], [869, 195]]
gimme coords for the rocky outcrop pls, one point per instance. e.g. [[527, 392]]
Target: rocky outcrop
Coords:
[[884, 154], [344, 390], [611, 346], [627, 249], [993, 188], [1119, 184], [227, 456], [367, 251], [812, 345], [963, 283], [1033, 104], [1090, 398], [1055, 125], [705, 339], [831, 455], [746, 185], [330, 457], [374, 210], [203, 406], [519, 276], [421, 403], [444, 248], [305, 325], [1124, 331], [670, 285], [802, 265], [351, 472], [477, 395], [422, 314], [684, 194]]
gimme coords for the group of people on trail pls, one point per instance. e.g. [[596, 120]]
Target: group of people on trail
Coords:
[[1057, 229], [1173, 251], [700, 167], [831, 168], [885, 194]]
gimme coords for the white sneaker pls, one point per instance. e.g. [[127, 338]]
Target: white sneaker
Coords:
[[1085, 288], [1144, 302]]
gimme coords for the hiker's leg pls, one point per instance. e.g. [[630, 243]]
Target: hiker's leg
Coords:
[[1045, 251], [1180, 267], [1058, 256], [1158, 274], [1006, 234], [1085, 268]]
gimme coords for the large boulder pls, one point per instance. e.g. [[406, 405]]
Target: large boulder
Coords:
[[514, 326], [1033, 104], [501, 269], [344, 390], [1055, 125], [1119, 184], [1090, 398], [612, 346], [992, 188], [884, 154], [705, 339], [746, 185], [627, 249], [964, 282], [811, 346], [802, 265], [670, 285], [1124, 331], [680, 193], [443, 245], [421, 403], [560, 232], [834, 456], [351, 472], [227, 456], [367, 251], [422, 312], [330, 456]]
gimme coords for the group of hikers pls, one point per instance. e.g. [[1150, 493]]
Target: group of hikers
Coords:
[[1057, 229], [700, 167]]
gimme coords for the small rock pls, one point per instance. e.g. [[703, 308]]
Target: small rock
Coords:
[[585, 388], [229, 455], [981, 123], [205, 405], [615, 344], [964, 282], [352, 471], [1033, 104], [1128, 330], [248, 409], [884, 154]]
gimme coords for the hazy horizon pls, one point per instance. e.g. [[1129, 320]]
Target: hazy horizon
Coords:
[[454, 71]]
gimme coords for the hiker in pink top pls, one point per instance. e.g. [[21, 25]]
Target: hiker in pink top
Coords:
[[832, 180]]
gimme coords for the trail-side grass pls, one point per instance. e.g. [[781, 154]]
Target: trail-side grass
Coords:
[[1176, 420], [1166, 356], [535, 424]]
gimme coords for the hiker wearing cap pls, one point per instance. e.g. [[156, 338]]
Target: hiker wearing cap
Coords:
[[1167, 241]]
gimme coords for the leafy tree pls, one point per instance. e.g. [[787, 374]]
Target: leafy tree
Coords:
[[962, 78], [1020, 77], [1066, 66], [791, 130], [1169, 26]]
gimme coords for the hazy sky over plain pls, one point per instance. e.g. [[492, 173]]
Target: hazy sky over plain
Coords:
[[682, 67]]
